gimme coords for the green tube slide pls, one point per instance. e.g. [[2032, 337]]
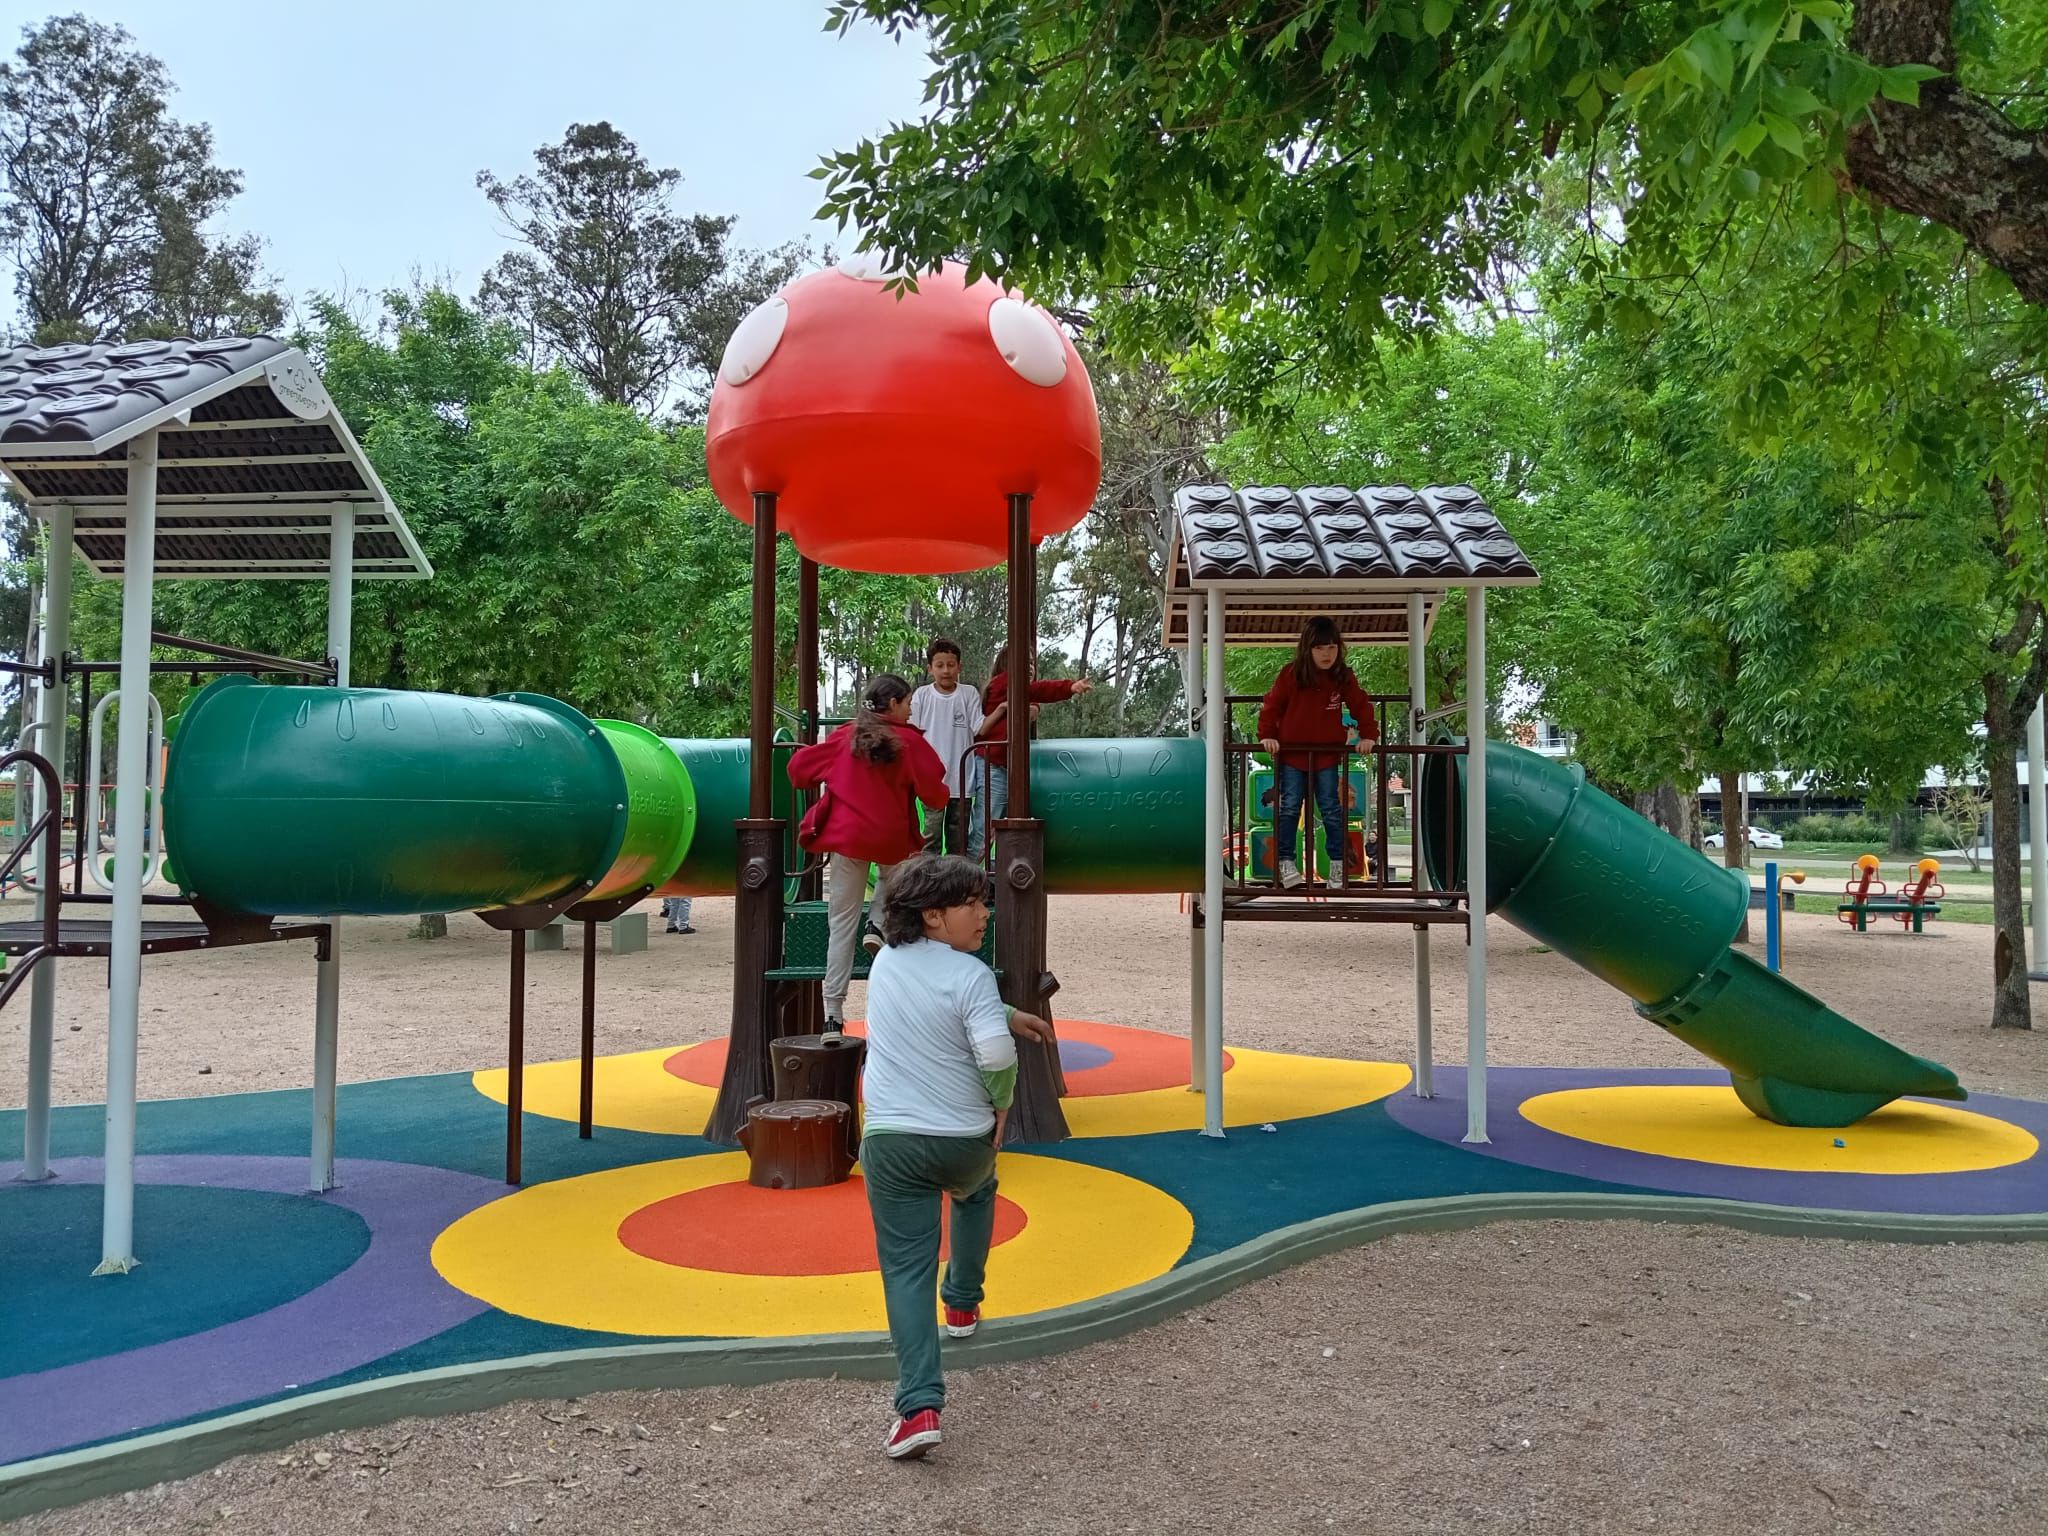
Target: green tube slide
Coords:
[[1648, 915], [371, 802]]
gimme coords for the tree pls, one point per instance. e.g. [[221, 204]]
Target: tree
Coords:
[[633, 297], [1270, 184], [107, 198]]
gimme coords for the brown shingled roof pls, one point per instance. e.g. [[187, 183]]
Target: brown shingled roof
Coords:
[[253, 461], [1286, 554]]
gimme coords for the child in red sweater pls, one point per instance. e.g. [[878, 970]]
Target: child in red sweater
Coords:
[[1305, 708], [993, 769], [870, 769]]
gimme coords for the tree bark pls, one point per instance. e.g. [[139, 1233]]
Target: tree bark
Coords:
[[1954, 158], [2010, 1007], [1670, 811], [1734, 836]]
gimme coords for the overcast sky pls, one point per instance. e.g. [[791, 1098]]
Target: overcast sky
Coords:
[[359, 127]]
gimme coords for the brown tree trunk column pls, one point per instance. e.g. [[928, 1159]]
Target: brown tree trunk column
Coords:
[[1020, 869], [757, 907], [2010, 1006], [806, 1013], [1734, 838]]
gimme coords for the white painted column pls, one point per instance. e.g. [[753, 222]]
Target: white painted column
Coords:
[[1475, 864], [131, 815], [2037, 838], [341, 545], [1215, 717], [49, 740], [1418, 701], [1198, 1007]]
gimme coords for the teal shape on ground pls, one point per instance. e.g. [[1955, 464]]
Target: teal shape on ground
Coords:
[[282, 1245]]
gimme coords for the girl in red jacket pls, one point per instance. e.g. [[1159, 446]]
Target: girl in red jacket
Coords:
[[871, 770], [993, 769], [1305, 708]]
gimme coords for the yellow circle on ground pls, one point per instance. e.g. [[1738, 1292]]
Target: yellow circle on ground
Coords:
[[552, 1253], [1706, 1123], [634, 1092], [1262, 1086], [637, 1092]]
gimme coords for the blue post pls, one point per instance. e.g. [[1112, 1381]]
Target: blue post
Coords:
[[1771, 956]]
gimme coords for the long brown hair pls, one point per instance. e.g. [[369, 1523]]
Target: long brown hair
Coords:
[[874, 737], [1320, 630], [1001, 664]]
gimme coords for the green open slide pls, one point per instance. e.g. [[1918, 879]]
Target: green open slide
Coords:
[[1651, 917]]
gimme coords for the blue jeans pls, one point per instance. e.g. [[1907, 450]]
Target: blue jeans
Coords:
[[1294, 790], [989, 804]]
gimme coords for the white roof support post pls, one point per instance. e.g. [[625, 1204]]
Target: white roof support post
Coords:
[[1418, 701], [1475, 864], [2037, 843], [341, 545], [1192, 676], [49, 740], [131, 815], [1215, 720]]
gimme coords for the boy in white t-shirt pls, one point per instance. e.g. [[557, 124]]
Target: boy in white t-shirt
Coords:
[[948, 711]]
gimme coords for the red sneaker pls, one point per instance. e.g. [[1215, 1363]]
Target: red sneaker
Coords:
[[961, 1325], [912, 1437]]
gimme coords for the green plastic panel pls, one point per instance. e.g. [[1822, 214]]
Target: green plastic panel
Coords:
[[1121, 814], [661, 811], [363, 801], [718, 776]]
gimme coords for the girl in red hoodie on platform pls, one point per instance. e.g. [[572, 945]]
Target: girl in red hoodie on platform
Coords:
[[993, 769], [1305, 708], [872, 770]]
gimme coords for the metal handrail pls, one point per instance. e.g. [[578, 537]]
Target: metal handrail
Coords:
[[48, 826]]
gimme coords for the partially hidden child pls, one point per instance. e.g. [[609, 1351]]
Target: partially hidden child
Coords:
[[992, 788], [869, 773]]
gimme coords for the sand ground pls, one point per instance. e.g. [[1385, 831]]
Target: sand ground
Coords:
[[1529, 1377]]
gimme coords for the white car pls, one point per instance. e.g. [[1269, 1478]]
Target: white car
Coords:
[[1759, 837]]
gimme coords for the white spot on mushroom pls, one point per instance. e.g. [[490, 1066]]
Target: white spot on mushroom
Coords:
[[1029, 341], [869, 267], [754, 341]]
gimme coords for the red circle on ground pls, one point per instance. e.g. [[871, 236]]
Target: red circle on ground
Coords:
[[736, 1229], [1140, 1059]]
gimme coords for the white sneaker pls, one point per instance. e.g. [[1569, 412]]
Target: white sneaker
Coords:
[[1335, 879], [1290, 874]]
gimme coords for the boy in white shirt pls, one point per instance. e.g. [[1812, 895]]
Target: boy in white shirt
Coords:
[[948, 711], [941, 1073]]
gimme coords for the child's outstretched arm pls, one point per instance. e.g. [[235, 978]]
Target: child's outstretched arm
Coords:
[[1360, 704], [988, 1036]]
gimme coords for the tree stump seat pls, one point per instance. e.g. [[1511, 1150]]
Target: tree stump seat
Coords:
[[796, 1143], [804, 1067]]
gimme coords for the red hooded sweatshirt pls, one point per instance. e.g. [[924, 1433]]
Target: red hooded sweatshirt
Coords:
[[1312, 714], [1052, 690], [866, 811]]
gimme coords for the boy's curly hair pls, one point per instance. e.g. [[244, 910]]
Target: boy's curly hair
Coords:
[[921, 883]]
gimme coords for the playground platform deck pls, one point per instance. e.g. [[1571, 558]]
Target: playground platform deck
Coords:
[[642, 1257]]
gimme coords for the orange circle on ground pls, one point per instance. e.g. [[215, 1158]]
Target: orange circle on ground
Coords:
[[1139, 1059], [737, 1229]]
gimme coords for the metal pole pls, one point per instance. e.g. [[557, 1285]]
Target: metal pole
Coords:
[[1198, 1007], [1023, 663], [341, 558], [760, 802], [515, 1058], [1772, 956], [1215, 718], [124, 957], [1425, 1044], [1475, 864], [50, 715], [586, 1086], [2037, 838]]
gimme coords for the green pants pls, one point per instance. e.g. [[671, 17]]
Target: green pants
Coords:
[[907, 1178]]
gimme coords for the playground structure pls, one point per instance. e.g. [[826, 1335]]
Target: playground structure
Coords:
[[1916, 901]]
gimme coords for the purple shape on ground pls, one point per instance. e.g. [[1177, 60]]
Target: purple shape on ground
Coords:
[[1080, 1055], [2018, 1189], [390, 1298]]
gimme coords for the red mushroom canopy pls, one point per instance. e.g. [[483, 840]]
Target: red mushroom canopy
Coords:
[[893, 430]]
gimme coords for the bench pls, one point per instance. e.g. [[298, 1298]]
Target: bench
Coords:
[[1856, 914]]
